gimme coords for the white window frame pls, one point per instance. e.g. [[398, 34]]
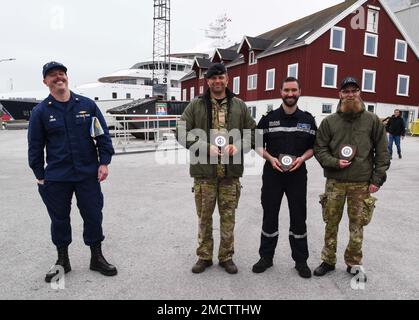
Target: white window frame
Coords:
[[184, 93], [343, 38], [270, 71], [236, 85], [201, 89], [252, 58], [334, 66], [201, 74], [371, 35], [255, 82], [374, 72], [192, 93], [296, 70], [368, 24], [331, 108], [405, 50], [400, 76]]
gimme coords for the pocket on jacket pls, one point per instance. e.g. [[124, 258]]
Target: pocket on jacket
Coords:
[[368, 210]]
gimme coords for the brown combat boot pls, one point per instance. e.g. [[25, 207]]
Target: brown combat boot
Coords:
[[229, 266], [201, 265]]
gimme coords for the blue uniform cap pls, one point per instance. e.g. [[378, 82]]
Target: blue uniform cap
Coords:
[[53, 65]]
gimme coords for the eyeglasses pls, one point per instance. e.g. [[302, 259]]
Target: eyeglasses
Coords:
[[347, 91]]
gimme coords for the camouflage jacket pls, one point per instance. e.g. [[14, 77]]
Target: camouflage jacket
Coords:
[[363, 130], [198, 115]]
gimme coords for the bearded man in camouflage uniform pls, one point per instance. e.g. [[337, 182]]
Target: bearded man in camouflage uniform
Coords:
[[348, 179], [206, 122]]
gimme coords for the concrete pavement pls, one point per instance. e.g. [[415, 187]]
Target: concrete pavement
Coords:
[[150, 226]]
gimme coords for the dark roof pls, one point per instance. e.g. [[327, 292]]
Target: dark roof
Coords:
[[310, 24], [228, 54], [259, 43], [190, 75], [203, 63]]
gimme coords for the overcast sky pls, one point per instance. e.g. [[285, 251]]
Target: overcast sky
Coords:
[[94, 38]]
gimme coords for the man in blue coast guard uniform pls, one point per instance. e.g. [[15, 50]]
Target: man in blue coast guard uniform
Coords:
[[77, 158]]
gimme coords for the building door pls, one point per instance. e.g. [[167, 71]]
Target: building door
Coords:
[[405, 116]]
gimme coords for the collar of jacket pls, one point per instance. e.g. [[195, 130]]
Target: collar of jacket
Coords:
[[207, 98], [282, 113], [350, 116], [73, 98]]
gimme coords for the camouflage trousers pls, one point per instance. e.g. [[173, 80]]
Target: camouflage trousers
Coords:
[[360, 209], [208, 191]]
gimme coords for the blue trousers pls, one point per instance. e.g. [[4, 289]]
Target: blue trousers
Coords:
[[396, 140], [294, 186], [57, 198]]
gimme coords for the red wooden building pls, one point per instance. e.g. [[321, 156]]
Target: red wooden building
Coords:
[[361, 38]]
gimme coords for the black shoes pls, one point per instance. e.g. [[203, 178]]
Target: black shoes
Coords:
[[201, 265], [63, 261], [263, 264], [354, 270], [323, 268], [400, 155], [229, 266], [303, 269], [99, 263]]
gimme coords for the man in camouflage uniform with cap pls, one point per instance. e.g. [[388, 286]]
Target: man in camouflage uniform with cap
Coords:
[[353, 176], [216, 175]]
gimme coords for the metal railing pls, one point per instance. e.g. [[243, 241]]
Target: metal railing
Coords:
[[133, 129]]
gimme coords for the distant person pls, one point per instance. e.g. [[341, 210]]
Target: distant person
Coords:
[[76, 164], [351, 146], [288, 135], [217, 111], [396, 129]]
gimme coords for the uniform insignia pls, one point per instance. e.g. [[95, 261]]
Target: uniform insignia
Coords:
[[83, 112], [274, 123], [304, 126]]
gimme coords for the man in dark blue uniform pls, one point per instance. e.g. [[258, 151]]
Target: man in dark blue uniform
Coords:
[[77, 157], [288, 138]]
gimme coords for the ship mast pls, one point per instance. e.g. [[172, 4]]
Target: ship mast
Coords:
[[161, 48]]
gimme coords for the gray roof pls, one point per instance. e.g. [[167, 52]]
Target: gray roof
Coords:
[[259, 43], [307, 25], [228, 54], [190, 75], [203, 63]]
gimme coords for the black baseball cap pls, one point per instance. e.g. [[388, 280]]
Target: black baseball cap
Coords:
[[349, 81], [216, 69], [53, 65]]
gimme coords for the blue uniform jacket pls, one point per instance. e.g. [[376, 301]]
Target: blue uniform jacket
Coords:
[[71, 153]]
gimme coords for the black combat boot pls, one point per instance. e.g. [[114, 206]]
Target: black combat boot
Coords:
[[63, 261], [323, 268], [99, 263], [303, 269], [263, 264]]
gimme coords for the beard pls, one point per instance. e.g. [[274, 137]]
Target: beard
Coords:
[[351, 106], [291, 101]]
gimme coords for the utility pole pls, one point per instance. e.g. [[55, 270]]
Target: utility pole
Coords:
[[161, 48]]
